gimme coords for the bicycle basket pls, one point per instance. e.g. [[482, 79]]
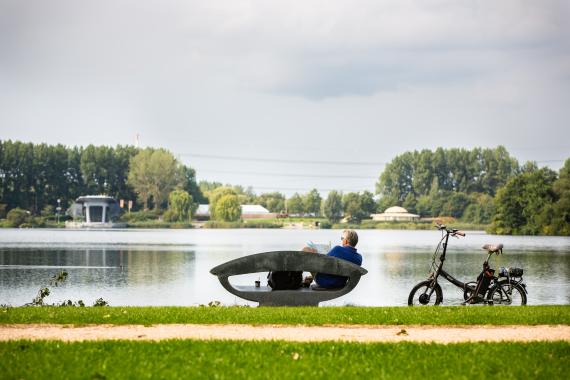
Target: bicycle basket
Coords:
[[510, 272]]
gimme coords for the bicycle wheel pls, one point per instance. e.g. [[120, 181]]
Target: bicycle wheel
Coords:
[[505, 293], [469, 290], [419, 295]]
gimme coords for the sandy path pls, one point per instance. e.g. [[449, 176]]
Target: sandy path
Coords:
[[438, 334]]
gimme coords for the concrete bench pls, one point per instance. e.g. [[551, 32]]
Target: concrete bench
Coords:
[[288, 261]]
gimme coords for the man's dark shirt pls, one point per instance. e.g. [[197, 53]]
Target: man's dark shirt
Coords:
[[347, 253]]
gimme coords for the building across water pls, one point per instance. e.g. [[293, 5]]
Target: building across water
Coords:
[[395, 214], [95, 211], [247, 212]]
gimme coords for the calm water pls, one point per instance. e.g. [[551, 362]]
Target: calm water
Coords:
[[171, 267]]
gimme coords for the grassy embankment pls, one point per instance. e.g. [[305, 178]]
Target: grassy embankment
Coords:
[[151, 219], [322, 223], [528, 315], [262, 360], [253, 360]]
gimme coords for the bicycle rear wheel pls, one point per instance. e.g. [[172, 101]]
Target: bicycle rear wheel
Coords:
[[420, 294], [508, 294]]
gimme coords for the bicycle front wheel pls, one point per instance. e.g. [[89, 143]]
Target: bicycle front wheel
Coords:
[[422, 294], [507, 293]]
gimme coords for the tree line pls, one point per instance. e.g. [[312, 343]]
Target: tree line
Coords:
[[354, 206], [34, 176], [483, 186]]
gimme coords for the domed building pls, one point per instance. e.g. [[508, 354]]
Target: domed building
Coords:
[[395, 214]]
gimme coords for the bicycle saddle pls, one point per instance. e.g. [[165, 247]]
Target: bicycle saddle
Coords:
[[493, 248]]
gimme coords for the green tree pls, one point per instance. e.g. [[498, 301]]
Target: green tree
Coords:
[[353, 207], [524, 204], [367, 203], [181, 206], [358, 206], [455, 204], [190, 186], [98, 170], [206, 188], [560, 224], [227, 208], [154, 173], [480, 210], [295, 205], [423, 206], [332, 206], [410, 203], [312, 202], [274, 202], [397, 179], [215, 196], [386, 201], [245, 195], [454, 170]]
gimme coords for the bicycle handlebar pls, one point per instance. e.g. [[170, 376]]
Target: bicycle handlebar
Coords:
[[452, 231]]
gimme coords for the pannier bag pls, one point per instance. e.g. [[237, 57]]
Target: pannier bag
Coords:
[[510, 272], [285, 280]]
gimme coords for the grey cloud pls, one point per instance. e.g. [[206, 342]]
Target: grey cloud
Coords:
[[282, 77]]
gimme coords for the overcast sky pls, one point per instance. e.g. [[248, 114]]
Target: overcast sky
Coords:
[[289, 95]]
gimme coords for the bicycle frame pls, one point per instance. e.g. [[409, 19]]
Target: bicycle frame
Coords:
[[485, 289], [441, 272]]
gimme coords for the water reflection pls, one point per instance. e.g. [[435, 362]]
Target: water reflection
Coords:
[[171, 267], [100, 272]]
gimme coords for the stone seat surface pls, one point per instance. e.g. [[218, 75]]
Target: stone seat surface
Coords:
[[288, 261]]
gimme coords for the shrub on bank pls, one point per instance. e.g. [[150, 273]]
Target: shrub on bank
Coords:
[[140, 216], [158, 224], [16, 217], [19, 218], [242, 224], [420, 225]]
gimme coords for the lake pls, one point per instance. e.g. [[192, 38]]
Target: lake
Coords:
[[171, 267]]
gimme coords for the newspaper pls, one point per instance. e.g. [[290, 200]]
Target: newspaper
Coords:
[[320, 247]]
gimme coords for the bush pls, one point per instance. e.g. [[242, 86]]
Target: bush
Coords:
[[227, 208], [325, 225], [16, 217], [261, 224], [241, 224], [48, 211], [140, 216], [159, 224], [181, 206]]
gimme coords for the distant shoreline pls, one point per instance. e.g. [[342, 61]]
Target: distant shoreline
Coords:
[[289, 224]]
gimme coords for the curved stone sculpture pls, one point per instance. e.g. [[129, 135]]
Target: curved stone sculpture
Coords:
[[288, 261]]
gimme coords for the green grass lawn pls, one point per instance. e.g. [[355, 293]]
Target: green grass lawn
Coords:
[[281, 360], [457, 315]]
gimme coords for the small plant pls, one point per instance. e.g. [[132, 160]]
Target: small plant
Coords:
[[56, 280], [79, 303], [100, 303], [212, 304], [39, 299]]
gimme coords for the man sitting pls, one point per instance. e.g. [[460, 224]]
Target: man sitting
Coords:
[[345, 251]]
